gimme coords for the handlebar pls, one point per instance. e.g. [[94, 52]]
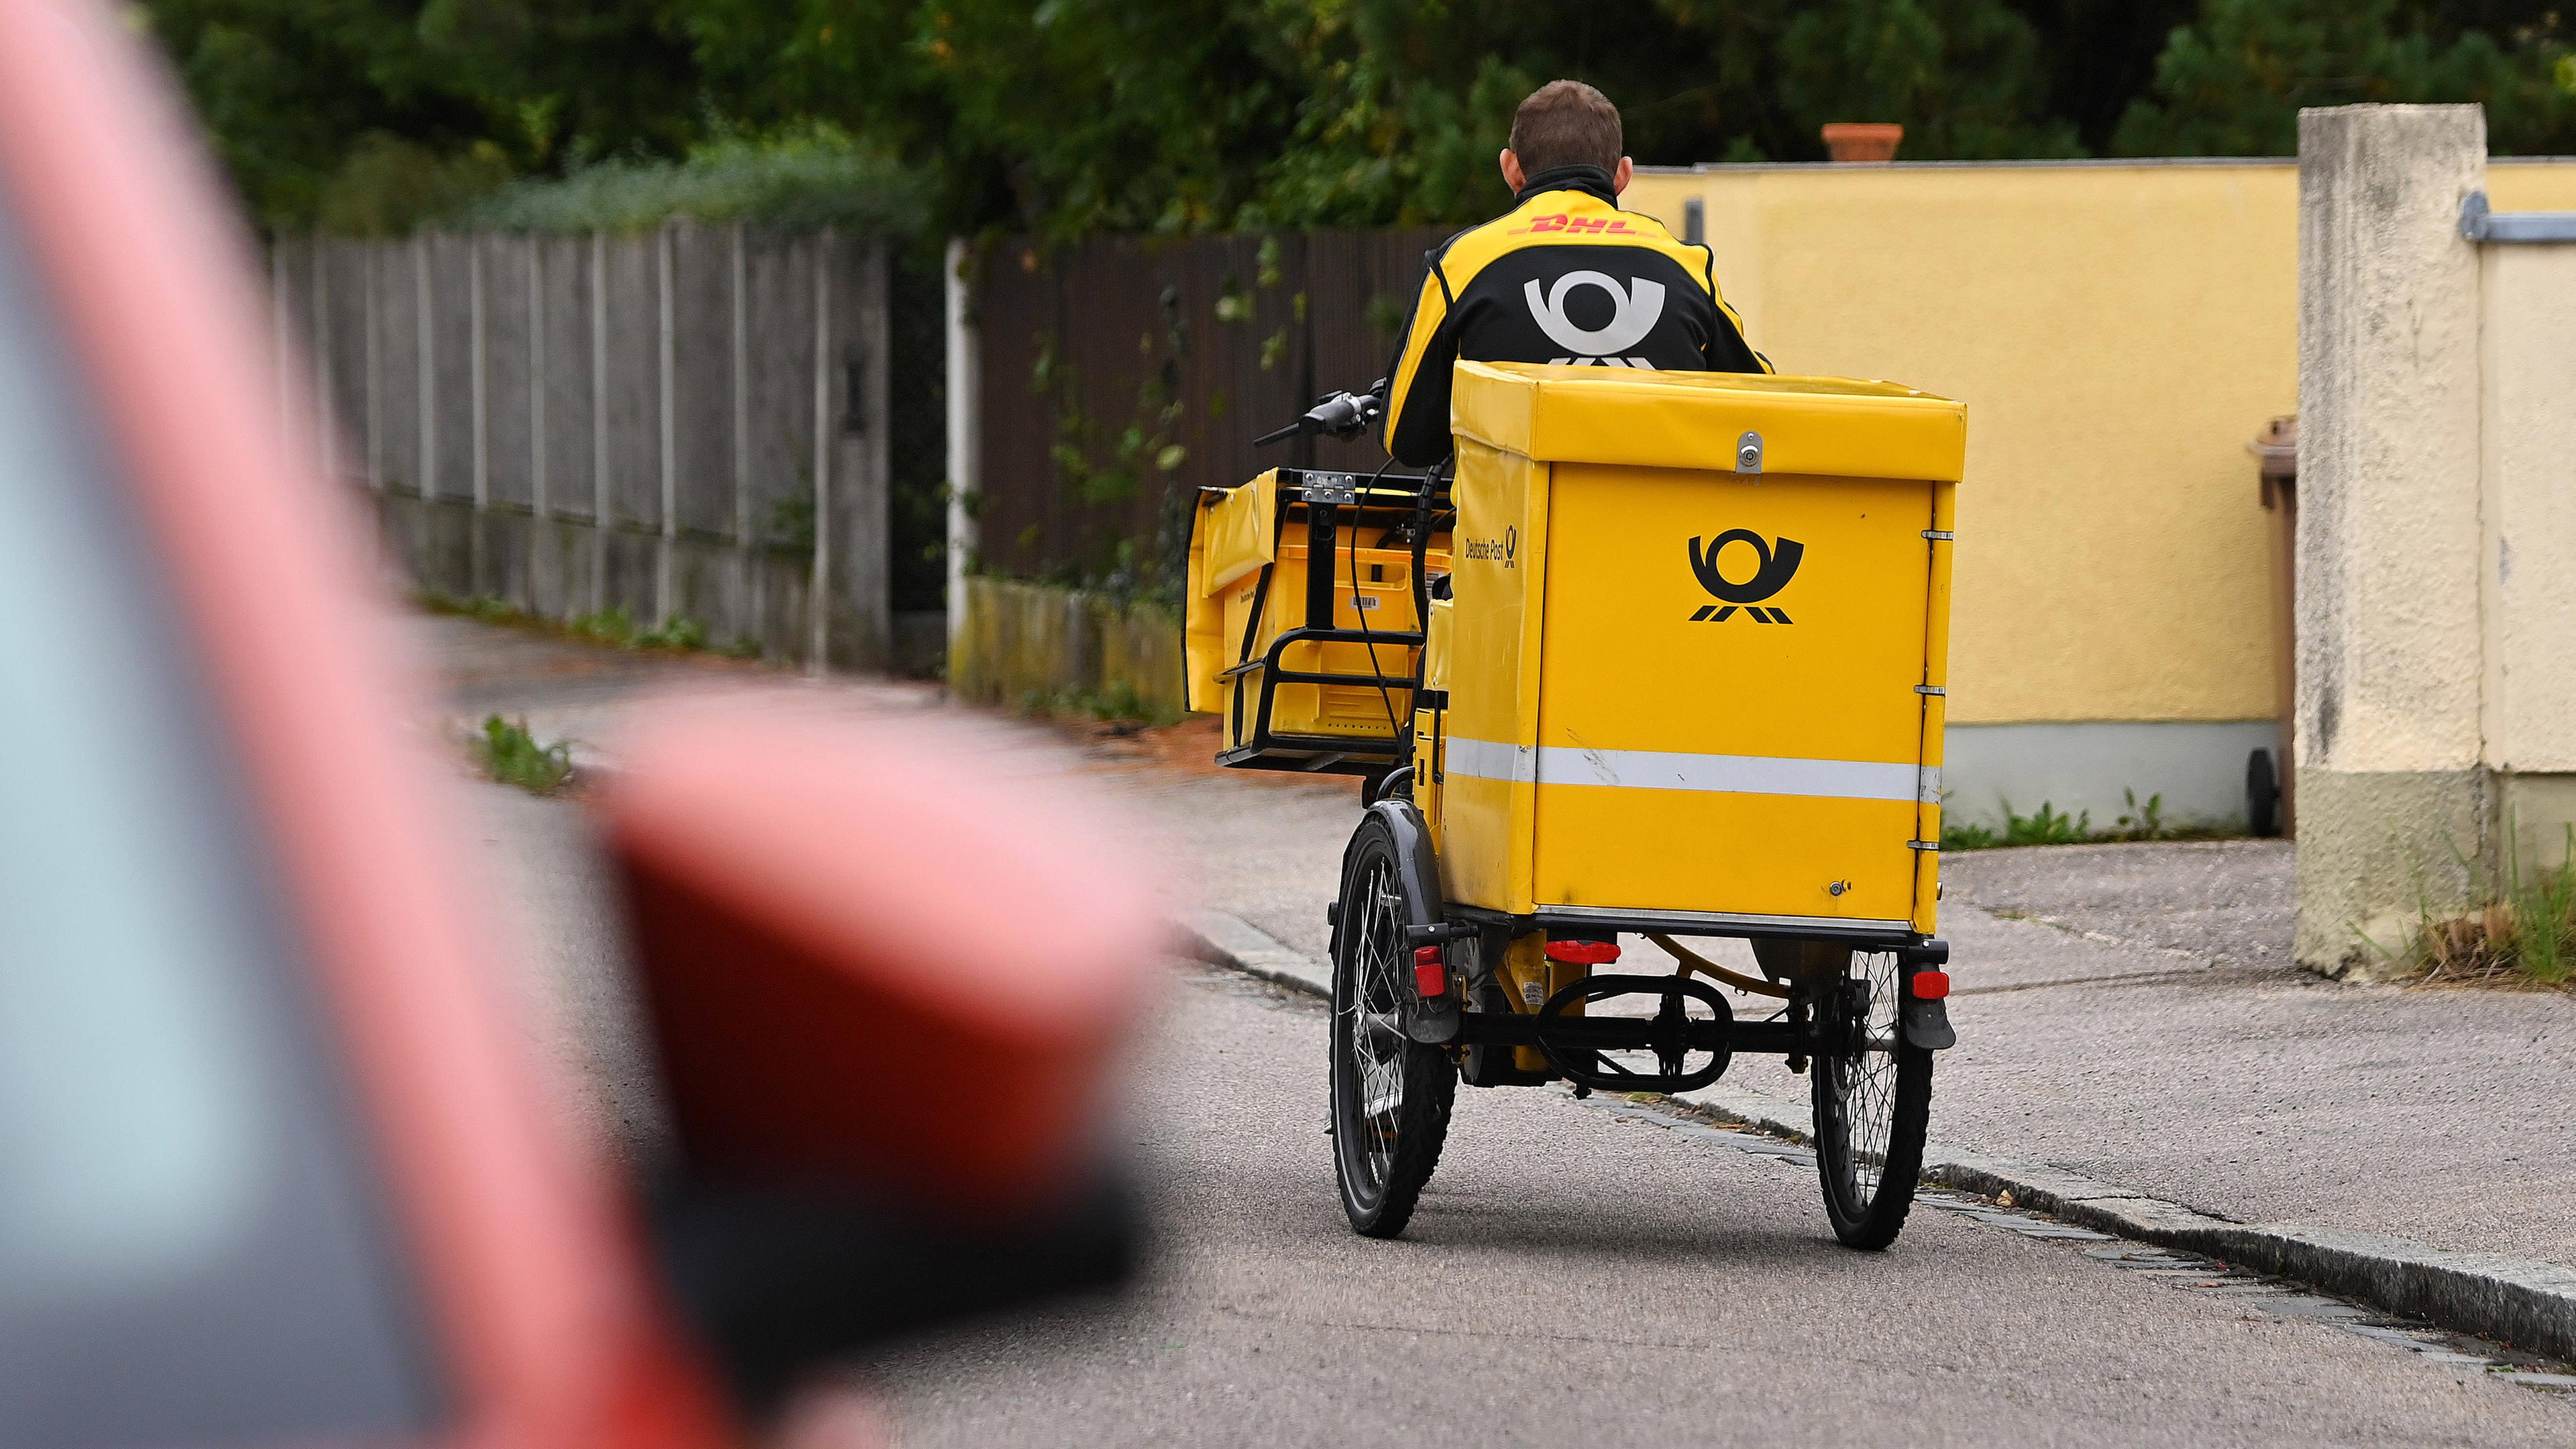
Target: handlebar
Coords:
[[1334, 415]]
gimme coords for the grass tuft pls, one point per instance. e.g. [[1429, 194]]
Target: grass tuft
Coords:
[[2523, 932], [509, 754]]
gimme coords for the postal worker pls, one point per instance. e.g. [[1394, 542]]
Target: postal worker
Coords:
[[1565, 276]]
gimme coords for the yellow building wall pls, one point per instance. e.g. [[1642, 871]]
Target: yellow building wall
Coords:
[[2118, 331]]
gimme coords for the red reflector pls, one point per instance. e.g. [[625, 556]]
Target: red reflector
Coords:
[[1931, 985], [1583, 953], [1429, 976]]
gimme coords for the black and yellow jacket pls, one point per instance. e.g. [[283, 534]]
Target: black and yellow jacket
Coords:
[[1565, 276]]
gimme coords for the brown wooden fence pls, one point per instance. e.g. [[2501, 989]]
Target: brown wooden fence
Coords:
[[1120, 374]]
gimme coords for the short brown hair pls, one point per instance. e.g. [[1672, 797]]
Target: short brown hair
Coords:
[[1566, 123]]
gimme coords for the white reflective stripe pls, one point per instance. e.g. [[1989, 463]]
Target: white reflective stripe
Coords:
[[1728, 774], [1488, 760], [1928, 789], [1664, 770]]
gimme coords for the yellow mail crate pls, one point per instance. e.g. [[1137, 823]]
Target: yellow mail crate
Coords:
[[1249, 568], [1698, 646]]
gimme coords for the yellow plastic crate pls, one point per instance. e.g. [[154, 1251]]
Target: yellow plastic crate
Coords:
[[1249, 566]]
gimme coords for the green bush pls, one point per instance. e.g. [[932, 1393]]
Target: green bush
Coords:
[[812, 177], [388, 186]]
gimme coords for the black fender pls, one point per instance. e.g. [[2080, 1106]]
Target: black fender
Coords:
[[1417, 866], [1926, 1023], [1417, 880]]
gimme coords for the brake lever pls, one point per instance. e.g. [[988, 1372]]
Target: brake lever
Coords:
[[1335, 415]]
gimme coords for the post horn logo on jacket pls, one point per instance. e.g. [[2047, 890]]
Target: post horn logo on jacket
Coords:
[[1634, 311], [1564, 277]]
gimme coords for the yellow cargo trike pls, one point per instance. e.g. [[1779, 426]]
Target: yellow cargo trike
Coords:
[[1664, 656]]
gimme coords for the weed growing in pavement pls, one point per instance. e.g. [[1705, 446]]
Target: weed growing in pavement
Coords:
[[509, 754], [614, 627], [2143, 822], [2523, 932], [485, 607], [680, 632], [2050, 826], [611, 626]]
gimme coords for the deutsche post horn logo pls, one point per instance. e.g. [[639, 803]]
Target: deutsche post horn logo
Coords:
[[1774, 566], [1634, 311]]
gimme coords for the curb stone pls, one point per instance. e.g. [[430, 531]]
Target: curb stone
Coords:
[[2531, 1306], [1231, 941]]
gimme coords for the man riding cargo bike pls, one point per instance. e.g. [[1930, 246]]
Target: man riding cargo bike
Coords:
[[1564, 277], [1657, 645]]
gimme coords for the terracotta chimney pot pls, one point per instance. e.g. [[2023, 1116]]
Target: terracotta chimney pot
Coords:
[[1848, 141]]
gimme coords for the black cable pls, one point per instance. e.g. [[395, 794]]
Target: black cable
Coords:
[[1385, 696]]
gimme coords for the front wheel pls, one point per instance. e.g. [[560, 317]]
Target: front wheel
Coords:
[[1873, 1099], [1391, 1094]]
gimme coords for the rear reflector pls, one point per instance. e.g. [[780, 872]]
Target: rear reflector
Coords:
[[1429, 976], [1583, 953], [1930, 985]]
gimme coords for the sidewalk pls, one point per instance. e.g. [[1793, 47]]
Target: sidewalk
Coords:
[[2127, 1012]]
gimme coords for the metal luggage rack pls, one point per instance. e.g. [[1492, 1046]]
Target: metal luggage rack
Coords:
[[1420, 504]]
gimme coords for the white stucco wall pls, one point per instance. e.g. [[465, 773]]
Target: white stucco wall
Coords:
[[2528, 317]]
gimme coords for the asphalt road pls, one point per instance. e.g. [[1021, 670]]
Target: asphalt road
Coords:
[[1576, 1274]]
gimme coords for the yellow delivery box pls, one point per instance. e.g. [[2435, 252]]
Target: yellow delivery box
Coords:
[[1694, 656]]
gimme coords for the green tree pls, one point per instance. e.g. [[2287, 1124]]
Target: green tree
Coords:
[[2232, 82], [1962, 76], [1069, 116], [374, 107]]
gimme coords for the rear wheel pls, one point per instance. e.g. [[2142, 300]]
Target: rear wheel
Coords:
[[1391, 1095], [1873, 1098]]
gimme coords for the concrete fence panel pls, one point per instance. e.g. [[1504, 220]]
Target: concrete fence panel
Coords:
[[340, 348], [779, 275], [393, 439], [507, 457], [631, 362], [448, 301], [567, 388], [688, 425], [703, 384]]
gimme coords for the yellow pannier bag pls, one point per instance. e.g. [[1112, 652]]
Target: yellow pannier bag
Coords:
[[1699, 645]]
